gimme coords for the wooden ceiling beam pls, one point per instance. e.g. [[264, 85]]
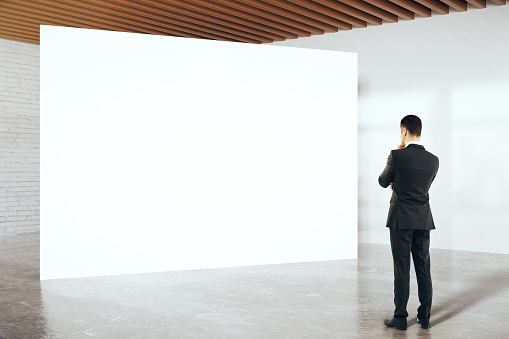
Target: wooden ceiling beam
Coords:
[[217, 10], [477, 3], [249, 21], [52, 18], [392, 8], [48, 20], [164, 15], [69, 11], [221, 18], [119, 16], [19, 37], [268, 11], [44, 19], [357, 13], [328, 24], [278, 10], [20, 24], [326, 13], [17, 31], [9, 31], [171, 11], [459, 5], [415, 7], [374, 10], [435, 5]]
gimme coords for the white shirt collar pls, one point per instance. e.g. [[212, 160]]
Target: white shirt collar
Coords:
[[414, 142]]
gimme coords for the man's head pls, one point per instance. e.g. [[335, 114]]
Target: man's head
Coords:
[[410, 127]]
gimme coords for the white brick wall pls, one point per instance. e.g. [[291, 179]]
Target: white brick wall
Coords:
[[19, 138]]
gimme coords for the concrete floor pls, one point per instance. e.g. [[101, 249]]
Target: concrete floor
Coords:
[[330, 299]]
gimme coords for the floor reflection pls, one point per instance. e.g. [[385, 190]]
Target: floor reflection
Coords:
[[22, 313], [328, 299]]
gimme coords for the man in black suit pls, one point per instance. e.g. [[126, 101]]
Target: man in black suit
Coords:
[[409, 172]]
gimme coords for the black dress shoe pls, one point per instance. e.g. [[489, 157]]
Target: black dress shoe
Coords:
[[424, 323], [399, 323]]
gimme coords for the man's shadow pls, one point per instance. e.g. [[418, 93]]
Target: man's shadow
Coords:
[[485, 287]]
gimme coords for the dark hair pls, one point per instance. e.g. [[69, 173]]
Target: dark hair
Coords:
[[413, 124]]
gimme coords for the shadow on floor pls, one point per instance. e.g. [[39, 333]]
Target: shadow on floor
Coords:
[[486, 287]]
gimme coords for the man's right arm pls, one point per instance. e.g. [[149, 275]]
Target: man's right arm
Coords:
[[432, 179], [387, 175]]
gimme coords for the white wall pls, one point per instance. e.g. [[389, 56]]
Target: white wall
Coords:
[[19, 138], [453, 72]]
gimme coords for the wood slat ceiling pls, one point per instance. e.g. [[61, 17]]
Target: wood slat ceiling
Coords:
[[251, 21]]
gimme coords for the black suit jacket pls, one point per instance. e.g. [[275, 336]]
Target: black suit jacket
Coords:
[[411, 170]]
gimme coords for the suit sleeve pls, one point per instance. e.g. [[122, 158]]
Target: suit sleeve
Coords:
[[388, 173], [438, 164]]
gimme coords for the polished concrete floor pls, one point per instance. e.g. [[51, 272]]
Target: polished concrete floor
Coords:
[[330, 299]]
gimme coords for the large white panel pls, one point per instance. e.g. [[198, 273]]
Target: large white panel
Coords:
[[165, 153]]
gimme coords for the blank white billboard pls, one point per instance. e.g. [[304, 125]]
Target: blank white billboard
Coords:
[[164, 153]]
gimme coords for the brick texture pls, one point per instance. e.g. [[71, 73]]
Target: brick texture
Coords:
[[19, 138]]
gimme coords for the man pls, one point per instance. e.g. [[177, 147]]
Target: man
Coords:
[[410, 170]]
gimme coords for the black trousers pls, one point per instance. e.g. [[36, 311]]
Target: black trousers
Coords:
[[404, 242]]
